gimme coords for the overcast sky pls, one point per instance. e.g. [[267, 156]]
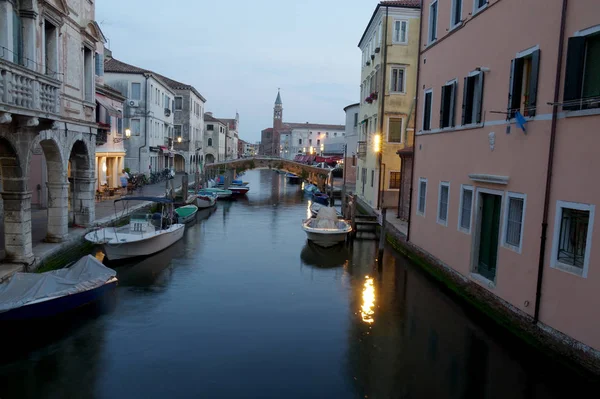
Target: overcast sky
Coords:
[[238, 52]]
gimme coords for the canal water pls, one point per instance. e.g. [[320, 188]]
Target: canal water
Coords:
[[244, 307]]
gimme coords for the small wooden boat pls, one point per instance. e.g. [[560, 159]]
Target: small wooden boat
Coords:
[[326, 230], [220, 193], [186, 213], [145, 234], [31, 296], [292, 178], [315, 207], [320, 198], [206, 200], [239, 190]]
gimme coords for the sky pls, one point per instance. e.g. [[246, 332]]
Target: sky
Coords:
[[238, 53]]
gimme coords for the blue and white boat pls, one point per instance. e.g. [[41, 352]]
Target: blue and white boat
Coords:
[[34, 296], [310, 188], [320, 198]]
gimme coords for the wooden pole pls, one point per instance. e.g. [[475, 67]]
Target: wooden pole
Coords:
[[382, 234]]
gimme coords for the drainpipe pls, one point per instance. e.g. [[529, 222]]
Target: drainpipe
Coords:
[[145, 125], [412, 171], [540, 274], [384, 68]]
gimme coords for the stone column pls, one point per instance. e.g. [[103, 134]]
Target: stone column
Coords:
[[84, 206], [17, 227], [6, 30], [58, 212], [28, 18]]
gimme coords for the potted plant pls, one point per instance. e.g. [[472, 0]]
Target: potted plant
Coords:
[[369, 99], [374, 95]]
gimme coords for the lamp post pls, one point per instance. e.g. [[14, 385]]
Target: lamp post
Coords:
[[377, 150], [120, 139], [322, 149]]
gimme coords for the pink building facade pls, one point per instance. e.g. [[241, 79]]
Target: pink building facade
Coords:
[[487, 182]]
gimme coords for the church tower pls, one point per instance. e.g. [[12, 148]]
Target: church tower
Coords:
[[277, 124], [278, 113]]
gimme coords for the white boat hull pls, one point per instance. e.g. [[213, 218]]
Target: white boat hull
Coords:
[[326, 237], [206, 203], [120, 245]]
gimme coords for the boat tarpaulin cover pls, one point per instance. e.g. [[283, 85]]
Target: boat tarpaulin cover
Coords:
[[23, 288]]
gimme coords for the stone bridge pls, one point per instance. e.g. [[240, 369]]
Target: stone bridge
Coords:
[[317, 176]]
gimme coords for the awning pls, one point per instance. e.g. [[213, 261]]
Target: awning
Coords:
[[109, 108]]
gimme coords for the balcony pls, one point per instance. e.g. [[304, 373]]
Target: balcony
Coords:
[[24, 92], [101, 136], [362, 150]]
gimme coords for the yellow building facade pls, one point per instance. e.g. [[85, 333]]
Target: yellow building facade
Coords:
[[389, 46]]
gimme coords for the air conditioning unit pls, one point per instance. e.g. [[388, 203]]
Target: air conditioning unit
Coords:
[[133, 103], [167, 112]]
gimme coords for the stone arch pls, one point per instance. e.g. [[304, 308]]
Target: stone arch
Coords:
[[12, 171], [210, 158], [82, 182], [179, 162]]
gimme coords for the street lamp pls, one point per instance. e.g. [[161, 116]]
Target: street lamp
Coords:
[[179, 139], [311, 150], [377, 143], [322, 149], [127, 136]]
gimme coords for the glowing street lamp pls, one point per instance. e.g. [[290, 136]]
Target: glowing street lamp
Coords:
[[377, 143], [322, 148], [311, 150], [127, 133], [179, 139]]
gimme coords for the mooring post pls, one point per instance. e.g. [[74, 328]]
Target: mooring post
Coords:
[[352, 204], [382, 233], [184, 187]]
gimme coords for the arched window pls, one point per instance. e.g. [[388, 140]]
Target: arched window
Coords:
[[210, 142]]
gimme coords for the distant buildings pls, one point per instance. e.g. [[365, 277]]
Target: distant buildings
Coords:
[[351, 141], [214, 138], [287, 139]]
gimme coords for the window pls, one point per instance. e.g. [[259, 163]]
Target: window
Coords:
[[99, 67], [309, 141], [17, 31], [177, 131], [427, 110], [356, 119], [210, 128], [465, 210], [372, 177], [334, 134], [394, 130], [522, 90], [318, 142], [400, 29], [444, 197], [422, 196], [51, 51], [178, 103], [572, 237], [119, 126], [513, 221], [209, 142], [478, 5], [456, 17], [88, 75], [300, 141], [433, 11], [135, 127], [394, 180], [448, 103], [397, 80], [472, 98], [582, 80]]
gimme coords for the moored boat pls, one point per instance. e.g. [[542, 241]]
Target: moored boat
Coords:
[[326, 230], [206, 200], [315, 207], [186, 214], [219, 192], [310, 188], [145, 234], [31, 296], [292, 178], [320, 198]]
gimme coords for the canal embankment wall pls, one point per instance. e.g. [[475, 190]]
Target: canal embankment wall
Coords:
[[538, 335]]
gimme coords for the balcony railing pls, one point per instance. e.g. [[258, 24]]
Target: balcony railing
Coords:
[[362, 149], [101, 137], [26, 90]]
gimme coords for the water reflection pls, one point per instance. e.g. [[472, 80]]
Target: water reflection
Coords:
[[367, 310], [314, 255]]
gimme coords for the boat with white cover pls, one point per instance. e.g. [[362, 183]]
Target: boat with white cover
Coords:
[[145, 234], [326, 230], [33, 296]]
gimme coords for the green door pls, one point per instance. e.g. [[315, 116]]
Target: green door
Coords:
[[488, 240]]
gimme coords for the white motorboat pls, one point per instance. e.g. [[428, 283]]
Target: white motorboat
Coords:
[[145, 234], [206, 200], [326, 230], [315, 207]]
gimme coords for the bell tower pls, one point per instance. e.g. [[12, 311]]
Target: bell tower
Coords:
[[278, 113], [277, 124]]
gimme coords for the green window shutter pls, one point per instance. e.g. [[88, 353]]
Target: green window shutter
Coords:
[[479, 105], [574, 72], [465, 99], [533, 83], [514, 89], [442, 106]]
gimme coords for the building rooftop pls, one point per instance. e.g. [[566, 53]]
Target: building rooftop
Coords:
[[116, 66], [291, 125], [413, 4], [210, 118]]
